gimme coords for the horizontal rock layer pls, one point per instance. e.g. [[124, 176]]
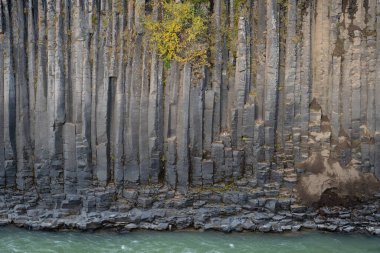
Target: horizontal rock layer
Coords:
[[158, 210]]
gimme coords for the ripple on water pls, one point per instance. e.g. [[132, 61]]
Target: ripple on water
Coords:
[[18, 240]]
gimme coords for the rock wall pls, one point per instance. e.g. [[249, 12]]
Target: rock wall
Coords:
[[86, 103]]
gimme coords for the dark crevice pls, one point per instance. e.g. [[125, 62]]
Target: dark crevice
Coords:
[[366, 8], [111, 91], [352, 9]]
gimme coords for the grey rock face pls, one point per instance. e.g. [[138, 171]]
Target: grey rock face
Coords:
[[91, 118]]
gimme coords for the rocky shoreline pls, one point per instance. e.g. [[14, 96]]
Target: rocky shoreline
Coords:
[[229, 211]]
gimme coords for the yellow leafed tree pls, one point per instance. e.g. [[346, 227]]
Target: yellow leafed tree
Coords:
[[181, 33]]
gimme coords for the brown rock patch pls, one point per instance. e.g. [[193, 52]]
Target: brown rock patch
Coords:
[[327, 183]]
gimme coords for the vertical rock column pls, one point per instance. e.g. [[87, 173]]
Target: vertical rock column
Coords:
[[32, 63], [321, 27], [94, 29], [57, 97], [143, 131], [241, 78], [207, 119], [196, 127], [259, 84], [241, 125], [155, 119], [54, 79], [271, 77], [183, 137], [119, 101], [132, 170], [103, 81], [377, 95], [2, 126], [55, 163], [362, 142], [9, 101], [305, 84], [347, 67], [170, 124], [371, 49], [335, 79], [23, 147], [83, 134], [69, 159], [290, 76], [155, 112], [127, 85], [68, 132], [248, 134], [41, 151], [261, 55], [355, 77], [217, 72]]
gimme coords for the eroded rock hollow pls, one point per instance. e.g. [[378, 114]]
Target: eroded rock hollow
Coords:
[[92, 119]]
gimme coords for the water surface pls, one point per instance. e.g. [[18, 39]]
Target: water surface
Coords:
[[20, 240]]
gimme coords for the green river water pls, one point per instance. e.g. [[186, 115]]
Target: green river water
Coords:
[[20, 240]]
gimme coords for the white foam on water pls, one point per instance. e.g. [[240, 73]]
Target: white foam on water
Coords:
[[187, 250]]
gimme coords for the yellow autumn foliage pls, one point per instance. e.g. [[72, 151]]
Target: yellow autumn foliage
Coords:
[[181, 33]]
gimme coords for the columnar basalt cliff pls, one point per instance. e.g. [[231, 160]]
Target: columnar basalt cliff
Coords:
[[285, 117]]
